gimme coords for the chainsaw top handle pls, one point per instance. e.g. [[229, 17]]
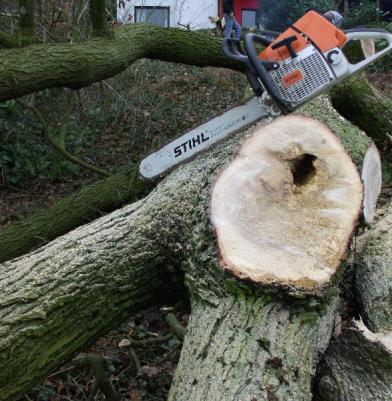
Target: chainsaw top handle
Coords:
[[261, 68], [368, 33]]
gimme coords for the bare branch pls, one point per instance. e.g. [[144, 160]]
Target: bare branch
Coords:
[[60, 146]]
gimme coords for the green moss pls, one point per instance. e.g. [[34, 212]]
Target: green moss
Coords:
[[264, 343]]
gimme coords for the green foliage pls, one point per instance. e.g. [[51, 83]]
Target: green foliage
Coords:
[[363, 14], [298, 8], [115, 122], [24, 155]]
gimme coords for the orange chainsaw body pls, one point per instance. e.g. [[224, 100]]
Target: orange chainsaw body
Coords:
[[311, 29]]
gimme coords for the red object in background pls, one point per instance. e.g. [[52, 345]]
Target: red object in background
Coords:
[[240, 5]]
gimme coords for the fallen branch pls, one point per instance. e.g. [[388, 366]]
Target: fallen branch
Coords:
[[100, 369]]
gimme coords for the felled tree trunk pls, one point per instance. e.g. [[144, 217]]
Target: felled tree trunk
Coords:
[[107, 195], [58, 298], [26, 70]]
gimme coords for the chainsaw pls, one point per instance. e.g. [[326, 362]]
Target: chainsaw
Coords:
[[301, 63]]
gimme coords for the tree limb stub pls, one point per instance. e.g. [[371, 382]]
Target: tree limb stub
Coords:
[[284, 210]]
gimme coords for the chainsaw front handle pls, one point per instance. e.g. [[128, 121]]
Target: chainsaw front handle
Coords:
[[363, 34]]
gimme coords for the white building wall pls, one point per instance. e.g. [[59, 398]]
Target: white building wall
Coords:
[[192, 12]]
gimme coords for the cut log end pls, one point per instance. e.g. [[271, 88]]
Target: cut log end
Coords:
[[284, 210], [372, 182]]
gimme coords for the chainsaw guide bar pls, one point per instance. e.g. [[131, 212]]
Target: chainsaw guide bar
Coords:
[[202, 137]]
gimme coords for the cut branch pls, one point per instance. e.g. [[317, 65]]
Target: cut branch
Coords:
[[100, 369]]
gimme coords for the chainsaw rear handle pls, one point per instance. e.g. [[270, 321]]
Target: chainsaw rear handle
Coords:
[[364, 33], [261, 70]]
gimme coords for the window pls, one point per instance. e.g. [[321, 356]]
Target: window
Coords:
[[153, 15], [248, 18]]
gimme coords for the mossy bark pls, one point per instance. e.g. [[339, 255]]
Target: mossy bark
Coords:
[[76, 65], [374, 277], [58, 298], [82, 206], [356, 368], [358, 101], [64, 295], [244, 347]]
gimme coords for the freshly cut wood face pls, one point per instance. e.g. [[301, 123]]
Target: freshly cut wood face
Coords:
[[285, 208]]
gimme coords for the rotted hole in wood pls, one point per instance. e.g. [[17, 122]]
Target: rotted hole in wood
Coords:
[[302, 168]]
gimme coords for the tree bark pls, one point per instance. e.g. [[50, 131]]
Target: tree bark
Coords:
[[373, 277], [82, 206], [76, 65], [252, 347], [67, 293], [357, 367], [60, 297]]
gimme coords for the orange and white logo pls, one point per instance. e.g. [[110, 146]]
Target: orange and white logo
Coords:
[[292, 78]]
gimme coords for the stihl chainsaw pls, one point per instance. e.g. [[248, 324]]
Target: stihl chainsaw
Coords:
[[301, 63]]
